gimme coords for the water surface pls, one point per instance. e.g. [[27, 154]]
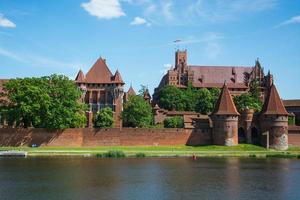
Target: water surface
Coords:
[[150, 178]]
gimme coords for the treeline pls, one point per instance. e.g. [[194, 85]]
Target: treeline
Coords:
[[190, 99]]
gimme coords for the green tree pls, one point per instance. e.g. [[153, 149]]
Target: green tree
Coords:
[[49, 102], [104, 118], [171, 98], [174, 122], [190, 98], [137, 113], [246, 101], [204, 101]]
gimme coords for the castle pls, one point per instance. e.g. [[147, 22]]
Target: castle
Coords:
[[224, 126], [237, 78]]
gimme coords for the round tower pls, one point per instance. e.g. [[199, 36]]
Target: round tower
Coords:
[[225, 120], [274, 121], [246, 123]]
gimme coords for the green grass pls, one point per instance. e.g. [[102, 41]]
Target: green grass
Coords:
[[242, 150]]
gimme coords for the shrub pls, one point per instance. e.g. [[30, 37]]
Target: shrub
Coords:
[[104, 118], [174, 122], [112, 154], [140, 155]]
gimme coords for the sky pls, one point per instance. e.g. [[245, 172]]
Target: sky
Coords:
[[42, 37]]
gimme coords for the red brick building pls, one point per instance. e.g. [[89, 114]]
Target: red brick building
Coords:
[[101, 89], [237, 78]]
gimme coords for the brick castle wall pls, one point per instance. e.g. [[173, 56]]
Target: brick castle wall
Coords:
[[103, 137], [115, 137]]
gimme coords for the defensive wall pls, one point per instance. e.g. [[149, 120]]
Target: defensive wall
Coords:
[[90, 137]]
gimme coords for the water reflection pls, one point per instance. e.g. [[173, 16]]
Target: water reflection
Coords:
[[152, 178]]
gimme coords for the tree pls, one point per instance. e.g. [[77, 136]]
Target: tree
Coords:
[[104, 118], [137, 112], [142, 91], [171, 98], [204, 101], [246, 101], [174, 122], [190, 98], [250, 100], [48, 102]]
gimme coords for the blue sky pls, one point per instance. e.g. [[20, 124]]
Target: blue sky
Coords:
[[41, 37]]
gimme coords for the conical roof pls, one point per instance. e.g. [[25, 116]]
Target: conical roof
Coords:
[[80, 77], [117, 77], [273, 104], [99, 73], [147, 94], [131, 91], [225, 104]]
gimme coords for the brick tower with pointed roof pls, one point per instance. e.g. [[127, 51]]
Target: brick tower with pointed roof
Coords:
[[225, 120], [274, 119], [101, 89]]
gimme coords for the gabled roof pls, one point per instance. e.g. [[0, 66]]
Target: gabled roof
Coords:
[[80, 77], [131, 91], [117, 77], [225, 104], [273, 104], [99, 73]]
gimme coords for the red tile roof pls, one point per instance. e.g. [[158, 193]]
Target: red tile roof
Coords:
[[80, 77], [117, 77], [215, 76], [291, 103], [225, 104], [273, 104], [131, 91], [99, 73]]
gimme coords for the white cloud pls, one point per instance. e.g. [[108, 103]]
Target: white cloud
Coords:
[[293, 20], [166, 10], [104, 9], [139, 21], [166, 68], [4, 22]]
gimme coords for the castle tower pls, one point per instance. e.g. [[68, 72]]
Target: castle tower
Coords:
[[225, 120], [147, 96], [246, 123], [274, 119], [180, 60]]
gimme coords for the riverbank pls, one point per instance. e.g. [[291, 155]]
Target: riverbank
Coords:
[[242, 150]]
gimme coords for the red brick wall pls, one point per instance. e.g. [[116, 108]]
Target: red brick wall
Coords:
[[103, 137], [294, 135]]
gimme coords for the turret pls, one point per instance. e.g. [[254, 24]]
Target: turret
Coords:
[[180, 60], [147, 96], [225, 120], [274, 120]]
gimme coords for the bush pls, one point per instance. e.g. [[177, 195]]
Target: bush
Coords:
[[112, 154], [174, 122], [104, 118], [292, 120], [140, 155]]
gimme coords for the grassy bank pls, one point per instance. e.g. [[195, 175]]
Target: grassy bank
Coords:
[[242, 150]]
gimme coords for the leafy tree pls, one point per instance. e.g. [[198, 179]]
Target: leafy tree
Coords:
[[189, 98], [142, 90], [204, 101], [137, 112], [250, 100], [171, 98], [246, 101], [48, 102], [174, 122], [104, 118]]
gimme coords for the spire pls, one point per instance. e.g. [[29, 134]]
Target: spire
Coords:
[[79, 77], [225, 105], [117, 77], [131, 91], [273, 104]]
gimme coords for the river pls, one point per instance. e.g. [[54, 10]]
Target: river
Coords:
[[149, 178]]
